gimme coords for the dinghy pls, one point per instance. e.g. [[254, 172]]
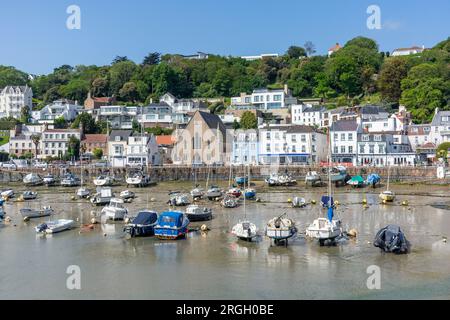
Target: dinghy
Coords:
[[197, 213], [312, 178], [83, 192], [250, 193], [298, 202], [235, 192], [373, 179], [392, 239], [138, 179], [241, 180], [103, 181], [214, 192], [32, 179], [197, 193], [49, 180], [28, 213], [179, 200], [142, 225], [356, 182], [70, 180], [29, 195], [229, 202], [280, 229], [171, 225], [127, 194], [280, 180], [55, 226], [102, 197], [7, 194], [115, 210]]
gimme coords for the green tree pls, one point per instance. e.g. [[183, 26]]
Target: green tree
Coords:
[[25, 114], [76, 90], [393, 71], [295, 52], [248, 120], [236, 125], [73, 150], [10, 76], [129, 92], [152, 58], [98, 153], [88, 123], [60, 123], [121, 73]]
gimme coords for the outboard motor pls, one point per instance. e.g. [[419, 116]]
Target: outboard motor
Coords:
[[42, 227], [392, 239]]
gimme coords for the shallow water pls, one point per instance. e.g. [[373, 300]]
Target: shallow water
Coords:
[[216, 266]]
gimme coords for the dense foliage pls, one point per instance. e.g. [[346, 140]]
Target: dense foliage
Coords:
[[357, 73]]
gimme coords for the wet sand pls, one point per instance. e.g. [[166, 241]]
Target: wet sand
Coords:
[[217, 266]]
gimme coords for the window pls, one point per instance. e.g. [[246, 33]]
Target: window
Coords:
[[342, 136], [342, 149], [365, 137], [303, 148], [380, 148], [268, 135], [117, 138], [313, 148], [350, 137], [362, 149], [294, 138], [336, 150], [350, 149], [371, 148], [293, 148], [268, 147], [335, 137], [303, 138], [377, 137], [277, 97]]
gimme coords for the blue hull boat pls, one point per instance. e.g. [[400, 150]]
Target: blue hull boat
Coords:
[[171, 225], [250, 194], [241, 180]]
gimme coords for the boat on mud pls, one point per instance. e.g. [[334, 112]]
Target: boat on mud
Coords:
[[171, 225], [179, 200], [28, 213], [312, 178], [127, 194], [142, 225], [392, 239], [102, 197], [32, 179], [103, 181], [70, 180], [138, 179], [280, 180], [197, 213], [280, 229], [115, 210], [29, 195], [229, 202], [55, 226], [49, 180], [298, 202], [356, 182]]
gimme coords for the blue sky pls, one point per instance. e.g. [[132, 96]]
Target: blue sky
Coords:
[[35, 38]]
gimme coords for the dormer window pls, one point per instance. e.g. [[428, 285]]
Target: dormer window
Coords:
[[117, 138]]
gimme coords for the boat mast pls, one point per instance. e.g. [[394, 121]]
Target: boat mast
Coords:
[[329, 168], [245, 209], [389, 177]]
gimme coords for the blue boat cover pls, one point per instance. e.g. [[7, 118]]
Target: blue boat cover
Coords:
[[325, 201], [373, 178], [330, 214], [170, 219], [1, 202], [145, 218]]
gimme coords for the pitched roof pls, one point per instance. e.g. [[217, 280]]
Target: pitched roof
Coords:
[[437, 119], [213, 121], [292, 129], [344, 125], [95, 138], [315, 109], [103, 99], [335, 47], [165, 140], [123, 134]]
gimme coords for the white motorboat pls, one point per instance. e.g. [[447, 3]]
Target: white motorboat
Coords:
[[83, 192], [115, 210], [8, 193], [197, 213], [127, 194], [197, 193], [103, 181], [32, 179], [55, 226], [102, 197], [29, 195], [280, 180], [179, 199], [339, 175], [229, 202], [138, 179], [49, 180], [312, 177], [245, 230], [298, 202], [235, 192], [70, 180], [214, 192], [28, 213], [280, 229]]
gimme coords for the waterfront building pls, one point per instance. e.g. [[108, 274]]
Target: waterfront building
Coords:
[[13, 99], [291, 144], [56, 142], [58, 109], [440, 127], [419, 135], [21, 140], [306, 114], [260, 56], [165, 145], [91, 142], [245, 147], [117, 147], [203, 141], [344, 135], [142, 150]]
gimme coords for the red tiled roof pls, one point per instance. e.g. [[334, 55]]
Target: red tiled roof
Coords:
[[102, 99], [335, 48], [95, 138], [167, 140]]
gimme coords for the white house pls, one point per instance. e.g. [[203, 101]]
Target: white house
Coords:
[[260, 56], [142, 150], [266, 99], [55, 142], [440, 127], [291, 144], [117, 146], [13, 99], [306, 114], [344, 135], [59, 108], [407, 51], [419, 135], [118, 117], [245, 147]]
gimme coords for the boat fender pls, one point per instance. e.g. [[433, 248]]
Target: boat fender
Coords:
[[152, 199], [26, 219], [289, 200], [405, 203], [313, 201], [364, 201], [204, 227], [93, 221], [352, 233], [104, 234], [8, 219], [258, 200], [336, 203]]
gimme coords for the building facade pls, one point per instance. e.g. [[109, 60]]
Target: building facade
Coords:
[[344, 135], [245, 147], [13, 99]]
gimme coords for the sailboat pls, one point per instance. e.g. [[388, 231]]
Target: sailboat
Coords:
[[82, 192], [249, 193], [232, 190], [245, 230], [387, 195], [214, 192], [198, 192], [326, 228]]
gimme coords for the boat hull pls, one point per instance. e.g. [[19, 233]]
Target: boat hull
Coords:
[[193, 217], [170, 233], [281, 234]]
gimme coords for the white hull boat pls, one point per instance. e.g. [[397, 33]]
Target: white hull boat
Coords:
[[28, 213], [281, 229], [323, 229], [83, 192], [312, 177], [7, 193], [245, 230], [213, 193], [49, 180], [29, 195], [115, 210], [229, 202], [32, 179], [197, 193], [102, 197], [138, 180], [197, 213], [179, 200], [298, 202], [70, 181], [56, 226], [103, 181], [127, 194]]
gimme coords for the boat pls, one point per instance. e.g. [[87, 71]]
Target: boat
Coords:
[[356, 182], [54, 226], [338, 175], [83, 192], [281, 229], [298, 202], [8, 193], [197, 193], [28, 213], [214, 192], [327, 229], [250, 193], [103, 181], [235, 192], [171, 225], [49, 180], [102, 197], [392, 239], [142, 225], [373, 179], [179, 199], [387, 195], [32, 179], [197, 213], [138, 179], [29, 195], [312, 178], [229, 202], [241, 180], [70, 180], [280, 180], [2, 210], [115, 210], [127, 194]]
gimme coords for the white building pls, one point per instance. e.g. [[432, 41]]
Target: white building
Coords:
[[118, 117], [142, 150], [261, 56], [344, 135], [245, 147], [117, 147], [266, 99], [419, 135], [309, 115], [59, 108], [55, 142], [181, 105], [407, 51], [13, 99], [440, 127], [291, 145]]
